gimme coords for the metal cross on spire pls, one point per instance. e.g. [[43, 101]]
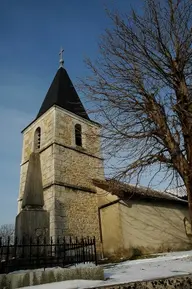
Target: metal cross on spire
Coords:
[[61, 61]]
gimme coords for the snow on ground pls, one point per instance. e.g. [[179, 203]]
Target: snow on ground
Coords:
[[165, 265]]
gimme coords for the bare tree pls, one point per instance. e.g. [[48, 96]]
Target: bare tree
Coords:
[[7, 231], [141, 85]]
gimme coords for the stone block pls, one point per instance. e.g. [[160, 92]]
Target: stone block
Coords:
[[32, 223], [38, 277]]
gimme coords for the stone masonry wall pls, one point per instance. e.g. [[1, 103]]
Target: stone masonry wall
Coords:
[[49, 199], [66, 168], [76, 165], [65, 132], [76, 213], [177, 282], [74, 168], [46, 123]]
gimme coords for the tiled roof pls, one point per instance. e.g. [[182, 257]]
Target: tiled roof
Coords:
[[128, 191]]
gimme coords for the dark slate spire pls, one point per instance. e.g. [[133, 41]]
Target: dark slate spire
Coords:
[[63, 94]]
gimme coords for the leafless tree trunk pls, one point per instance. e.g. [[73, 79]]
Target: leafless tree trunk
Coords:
[[7, 231], [141, 85]]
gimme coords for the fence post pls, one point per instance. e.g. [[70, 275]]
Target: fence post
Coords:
[[1, 253], [77, 250], [88, 248], [95, 251], [91, 249], [70, 250], [30, 253], [57, 251], [64, 252], [15, 247], [51, 250], [44, 253], [83, 244], [23, 244], [1, 247], [7, 256], [37, 259]]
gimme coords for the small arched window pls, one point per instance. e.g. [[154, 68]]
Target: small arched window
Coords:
[[78, 135], [37, 139]]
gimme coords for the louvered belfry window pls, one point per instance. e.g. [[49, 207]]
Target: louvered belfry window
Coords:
[[78, 135], [37, 139]]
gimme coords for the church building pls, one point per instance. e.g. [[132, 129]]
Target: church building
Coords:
[[80, 201]]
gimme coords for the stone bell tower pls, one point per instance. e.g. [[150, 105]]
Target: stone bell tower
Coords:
[[69, 146]]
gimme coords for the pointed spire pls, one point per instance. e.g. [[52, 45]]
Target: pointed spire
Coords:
[[61, 61], [63, 94]]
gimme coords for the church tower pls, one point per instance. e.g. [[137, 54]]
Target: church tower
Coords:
[[69, 146]]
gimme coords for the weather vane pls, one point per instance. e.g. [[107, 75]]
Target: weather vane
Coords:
[[61, 61]]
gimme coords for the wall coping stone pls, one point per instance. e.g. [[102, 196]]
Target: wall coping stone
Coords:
[[37, 277]]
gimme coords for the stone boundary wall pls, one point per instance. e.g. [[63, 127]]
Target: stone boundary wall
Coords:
[[178, 282], [37, 277]]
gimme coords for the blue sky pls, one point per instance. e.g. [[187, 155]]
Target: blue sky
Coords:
[[32, 33]]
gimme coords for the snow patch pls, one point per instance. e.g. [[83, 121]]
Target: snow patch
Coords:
[[166, 265]]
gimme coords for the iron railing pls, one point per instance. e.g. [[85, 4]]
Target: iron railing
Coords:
[[41, 253]]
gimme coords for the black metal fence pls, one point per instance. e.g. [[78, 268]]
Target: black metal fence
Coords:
[[40, 253]]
